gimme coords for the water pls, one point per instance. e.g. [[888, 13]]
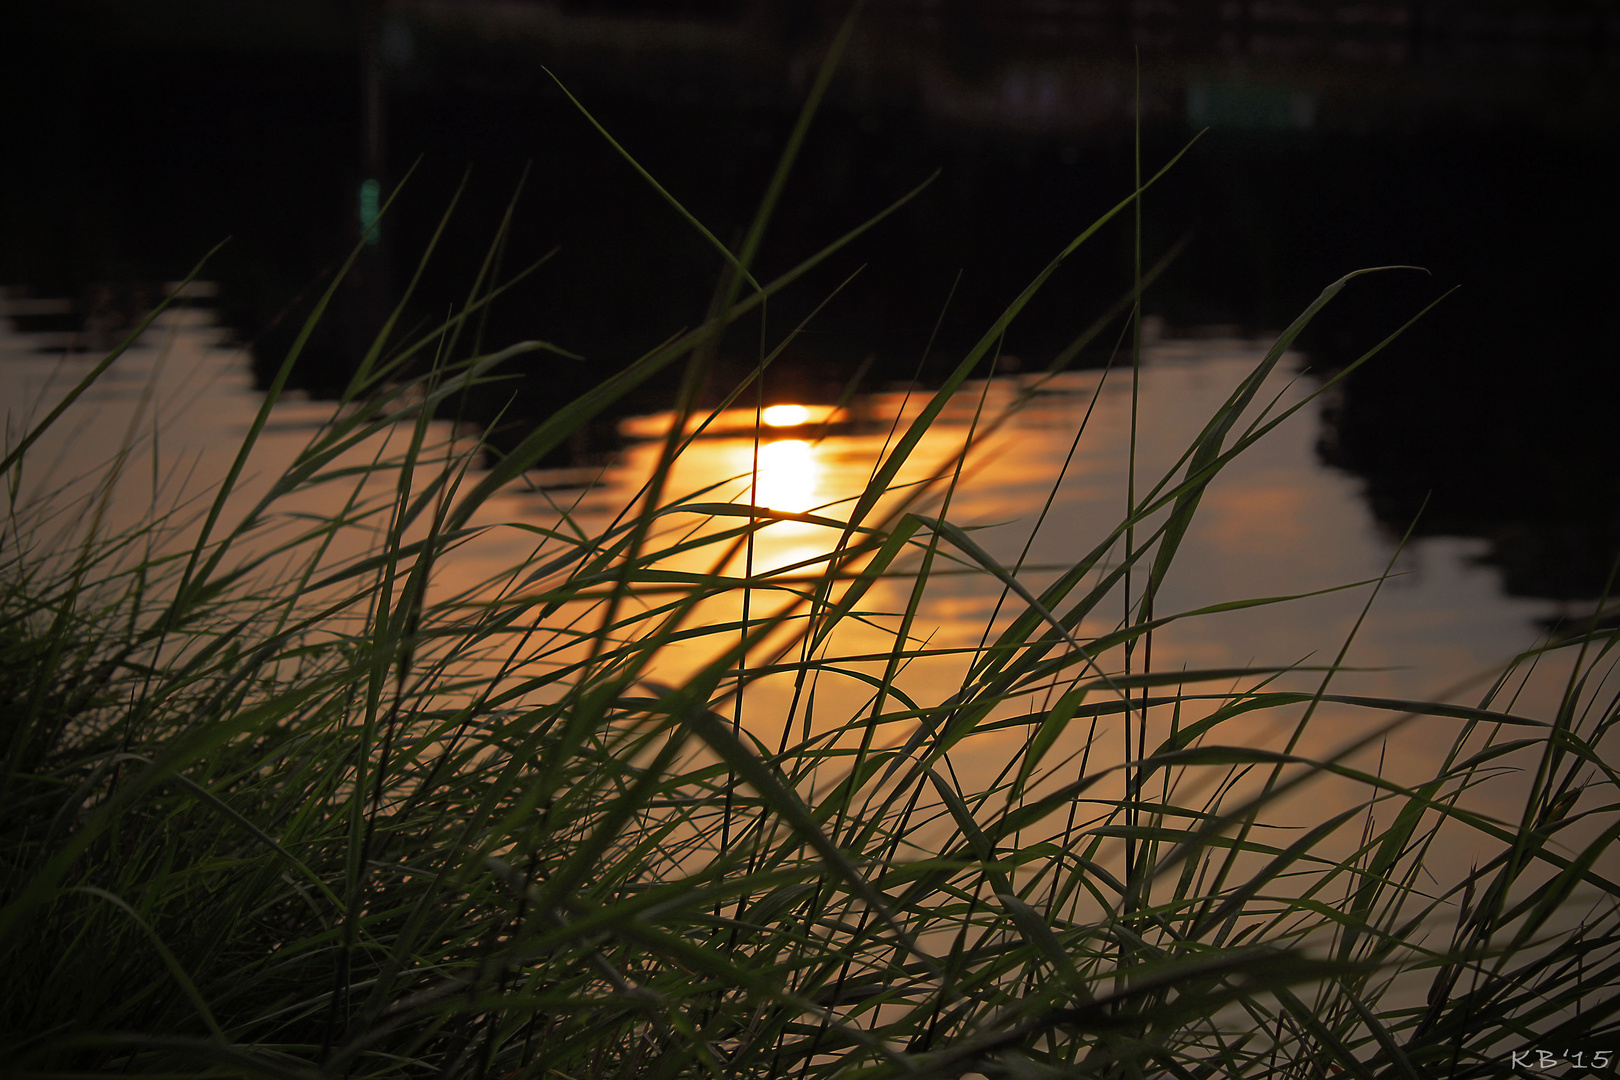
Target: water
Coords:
[[1276, 523], [1486, 424]]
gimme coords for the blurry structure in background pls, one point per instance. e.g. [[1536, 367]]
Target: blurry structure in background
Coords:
[[1056, 65]]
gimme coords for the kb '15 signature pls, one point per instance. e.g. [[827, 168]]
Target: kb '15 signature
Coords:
[[1542, 1060]]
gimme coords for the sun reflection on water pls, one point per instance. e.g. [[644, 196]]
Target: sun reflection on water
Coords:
[[788, 476], [786, 415]]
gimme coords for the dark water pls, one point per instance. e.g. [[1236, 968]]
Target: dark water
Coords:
[[1482, 153]]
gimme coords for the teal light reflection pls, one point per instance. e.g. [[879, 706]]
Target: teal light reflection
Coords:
[[370, 209]]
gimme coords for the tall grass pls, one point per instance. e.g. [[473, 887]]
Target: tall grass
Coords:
[[278, 802]]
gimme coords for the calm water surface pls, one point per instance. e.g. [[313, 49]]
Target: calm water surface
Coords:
[[1275, 523]]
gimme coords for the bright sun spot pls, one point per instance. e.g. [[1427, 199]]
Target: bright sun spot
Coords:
[[785, 415], [787, 476]]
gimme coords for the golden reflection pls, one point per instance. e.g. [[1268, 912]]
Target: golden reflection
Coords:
[[788, 473], [733, 422], [786, 415]]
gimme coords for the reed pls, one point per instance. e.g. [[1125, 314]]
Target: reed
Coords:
[[278, 803]]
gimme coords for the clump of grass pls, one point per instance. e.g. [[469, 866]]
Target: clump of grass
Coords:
[[276, 805]]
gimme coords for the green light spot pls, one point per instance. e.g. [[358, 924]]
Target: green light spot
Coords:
[[370, 204]]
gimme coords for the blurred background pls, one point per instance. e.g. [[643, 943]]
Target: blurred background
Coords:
[[1475, 140]]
